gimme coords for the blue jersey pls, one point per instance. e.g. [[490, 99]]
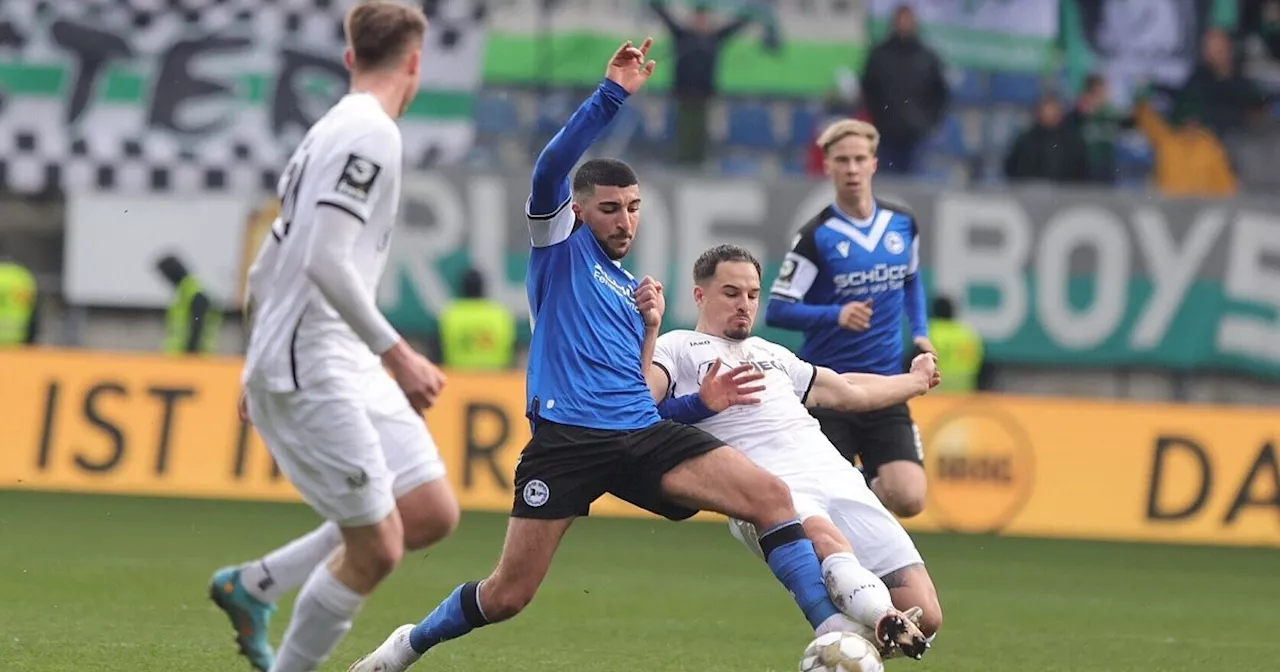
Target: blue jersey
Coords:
[[836, 259], [585, 361]]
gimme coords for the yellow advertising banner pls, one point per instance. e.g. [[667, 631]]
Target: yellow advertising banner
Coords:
[[138, 424]]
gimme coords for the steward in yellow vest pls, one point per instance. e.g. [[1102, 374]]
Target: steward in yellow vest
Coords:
[[477, 334], [192, 323], [17, 305], [961, 357]]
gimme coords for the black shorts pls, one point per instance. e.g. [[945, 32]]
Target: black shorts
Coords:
[[874, 437], [564, 469]]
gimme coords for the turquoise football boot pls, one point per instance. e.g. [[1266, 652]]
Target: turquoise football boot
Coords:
[[249, 616]]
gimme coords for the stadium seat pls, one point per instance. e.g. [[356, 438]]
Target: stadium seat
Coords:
[[949, 138], [804, 125], [967, 86], [740, 165], [1015, 88], [496, 114], [751, 126], [553, 111]]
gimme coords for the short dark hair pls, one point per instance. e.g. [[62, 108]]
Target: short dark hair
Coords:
[[472, 284], [1093, 81], [944, 308], [381, 31], [707, 264], [603, 173]]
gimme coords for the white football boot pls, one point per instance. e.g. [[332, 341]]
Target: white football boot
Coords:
[[394, 655]]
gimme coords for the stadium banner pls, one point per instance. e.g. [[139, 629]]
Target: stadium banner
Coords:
[[1048, 277], [124, 95], [788, 48], [1006, 35], [1134, 44], [152, 425]]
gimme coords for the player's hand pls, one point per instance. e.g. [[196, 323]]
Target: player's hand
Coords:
[[629, 67], [650, 301], [926, 365], [421, 381], [242, 407], [734, 387], [856, 315], [925, 345]]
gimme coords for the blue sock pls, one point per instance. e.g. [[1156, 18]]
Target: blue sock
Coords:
[[457, 615], [791, 556]]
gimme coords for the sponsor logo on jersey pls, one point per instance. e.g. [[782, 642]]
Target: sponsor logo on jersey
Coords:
[[602, 276], [981, 468], [877, 278], [761, 365], [843, 248]]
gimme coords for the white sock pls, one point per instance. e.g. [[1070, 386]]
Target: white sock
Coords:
[[842, 623], [322, 616], [285, 568], [856, 592]]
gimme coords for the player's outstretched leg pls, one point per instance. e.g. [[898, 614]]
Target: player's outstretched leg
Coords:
[[726, 481], [248, 593], [526, 558]]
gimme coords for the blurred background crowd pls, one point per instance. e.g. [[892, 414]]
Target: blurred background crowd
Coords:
[[142, 138]]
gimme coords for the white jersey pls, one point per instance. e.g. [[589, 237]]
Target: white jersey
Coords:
[[350, 160], [778, 433]]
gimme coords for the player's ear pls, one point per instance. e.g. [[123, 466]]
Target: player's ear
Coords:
[[698, 294], [349, 59], [415, 63], [577, 209]]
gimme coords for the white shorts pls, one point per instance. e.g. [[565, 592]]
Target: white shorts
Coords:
[[350, 446], [839, 493]]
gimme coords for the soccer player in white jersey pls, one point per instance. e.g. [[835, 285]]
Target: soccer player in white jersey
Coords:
[[335, 392], [869, 562]]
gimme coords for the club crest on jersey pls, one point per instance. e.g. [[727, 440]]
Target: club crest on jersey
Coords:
[[894, 243], [357, 178], [843, 248]]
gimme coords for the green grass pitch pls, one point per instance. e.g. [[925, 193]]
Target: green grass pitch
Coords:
[[117, 584]]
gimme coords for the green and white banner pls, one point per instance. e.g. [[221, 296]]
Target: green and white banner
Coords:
[[787, 48], [1051, 278], [1012, 35], [138, 95]]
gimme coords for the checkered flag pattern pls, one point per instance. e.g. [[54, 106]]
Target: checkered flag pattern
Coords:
[[191, 97]]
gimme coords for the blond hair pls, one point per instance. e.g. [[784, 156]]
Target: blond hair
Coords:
[[380, 32], [845, 128]]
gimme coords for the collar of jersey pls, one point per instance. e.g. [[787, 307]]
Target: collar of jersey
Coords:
[[854, 221]]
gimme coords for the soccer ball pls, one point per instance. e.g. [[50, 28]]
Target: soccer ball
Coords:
[[841, 652]]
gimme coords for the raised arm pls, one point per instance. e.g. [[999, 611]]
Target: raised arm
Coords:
[[550, 222], [867, 392]]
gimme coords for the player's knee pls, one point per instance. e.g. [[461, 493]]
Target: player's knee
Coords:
[[771, 501], [430, 527], [904, 497], [905, 505], [376, 559]]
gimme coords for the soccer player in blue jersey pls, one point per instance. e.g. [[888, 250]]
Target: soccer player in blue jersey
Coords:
[[596, 427], [850, 276]]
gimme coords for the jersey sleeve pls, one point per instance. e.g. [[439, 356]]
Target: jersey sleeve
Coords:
[[353, 173], [913, 261], [666, 356], [800, 267], [554, 227], [802, 373]]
